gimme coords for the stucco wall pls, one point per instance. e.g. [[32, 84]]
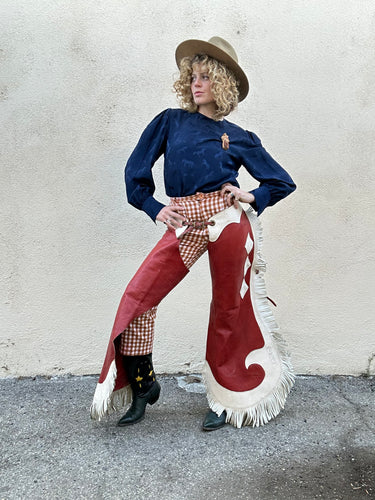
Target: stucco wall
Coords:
[[81, 79]]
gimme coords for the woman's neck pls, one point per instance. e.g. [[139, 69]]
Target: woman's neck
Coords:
[[207, 109]]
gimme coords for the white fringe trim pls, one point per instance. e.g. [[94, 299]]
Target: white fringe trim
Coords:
[[106, 401], [263, 403]]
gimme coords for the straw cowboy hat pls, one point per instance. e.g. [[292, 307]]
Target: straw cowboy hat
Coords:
[[219, 49]]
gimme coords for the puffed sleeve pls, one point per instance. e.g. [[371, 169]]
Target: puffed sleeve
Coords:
[[139, 182], [275, 182]]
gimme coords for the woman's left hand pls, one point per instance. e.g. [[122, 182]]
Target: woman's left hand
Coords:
[[233, 195]]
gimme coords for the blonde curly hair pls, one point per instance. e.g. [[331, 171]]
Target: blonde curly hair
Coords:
[[224, 85]]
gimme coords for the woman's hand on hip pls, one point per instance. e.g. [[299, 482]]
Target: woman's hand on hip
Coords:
[[172, 216], [233, 195]]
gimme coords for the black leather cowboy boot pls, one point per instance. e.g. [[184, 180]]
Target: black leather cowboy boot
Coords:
[[212, 421], [144, 386]]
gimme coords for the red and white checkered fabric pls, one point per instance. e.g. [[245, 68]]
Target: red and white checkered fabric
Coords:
[[137, 339], [198, 207]]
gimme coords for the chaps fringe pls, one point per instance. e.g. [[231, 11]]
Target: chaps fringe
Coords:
[[107, 401]]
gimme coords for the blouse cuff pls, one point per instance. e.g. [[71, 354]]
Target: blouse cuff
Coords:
[[262, 198], [152, 207]]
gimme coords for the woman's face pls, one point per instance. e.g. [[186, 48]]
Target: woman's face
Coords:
[[201, 87]]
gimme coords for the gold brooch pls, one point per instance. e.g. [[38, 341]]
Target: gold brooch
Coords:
[[225, 141]]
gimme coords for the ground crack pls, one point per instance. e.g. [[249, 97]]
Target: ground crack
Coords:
[[356, 406]]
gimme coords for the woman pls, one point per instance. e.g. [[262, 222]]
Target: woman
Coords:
[[247, 371]]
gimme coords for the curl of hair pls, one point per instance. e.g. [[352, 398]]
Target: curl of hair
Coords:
[[224, 85]]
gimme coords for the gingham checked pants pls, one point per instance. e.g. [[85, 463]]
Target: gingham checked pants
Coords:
[[137, 339]]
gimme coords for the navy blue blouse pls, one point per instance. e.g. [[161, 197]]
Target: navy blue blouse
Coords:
[[195, 161]]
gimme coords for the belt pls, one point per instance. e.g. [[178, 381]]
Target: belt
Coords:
[[193, 224]]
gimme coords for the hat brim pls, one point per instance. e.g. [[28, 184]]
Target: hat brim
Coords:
[[189, 48]]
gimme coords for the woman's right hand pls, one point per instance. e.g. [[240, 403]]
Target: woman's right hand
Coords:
[[172, 216]]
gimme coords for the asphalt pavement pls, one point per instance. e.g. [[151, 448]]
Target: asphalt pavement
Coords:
[[321, 446]]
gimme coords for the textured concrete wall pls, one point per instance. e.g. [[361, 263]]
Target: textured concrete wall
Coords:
[[81, 79]]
